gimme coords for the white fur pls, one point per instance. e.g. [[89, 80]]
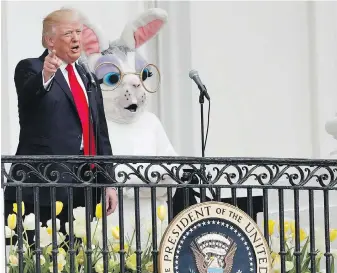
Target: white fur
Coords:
[[144, 137], [137, 133], [146, 17]]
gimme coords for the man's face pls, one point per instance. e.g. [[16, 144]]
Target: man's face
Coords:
[[67, 41]]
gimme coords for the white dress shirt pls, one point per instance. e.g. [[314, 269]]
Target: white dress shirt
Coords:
[[65, 74]]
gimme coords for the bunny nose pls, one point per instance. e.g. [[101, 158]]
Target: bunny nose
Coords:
[[134, 81]]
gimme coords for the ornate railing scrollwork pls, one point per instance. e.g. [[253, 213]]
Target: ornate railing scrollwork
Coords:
[[152, 170]]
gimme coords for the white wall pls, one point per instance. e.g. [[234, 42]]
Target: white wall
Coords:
[[254, 59]]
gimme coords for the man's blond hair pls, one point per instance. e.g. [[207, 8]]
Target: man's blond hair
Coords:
[[55, 18]]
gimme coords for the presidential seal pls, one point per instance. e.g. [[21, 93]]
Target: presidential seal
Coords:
[[213, 237]]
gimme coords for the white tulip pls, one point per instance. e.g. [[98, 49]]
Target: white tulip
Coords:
[[96, 233], [58, 225], [66, 225], [29, 222], [42, 259], [61, 262], [60, 238], [9, 233], [45, 238], [79, 214], [79, 229]]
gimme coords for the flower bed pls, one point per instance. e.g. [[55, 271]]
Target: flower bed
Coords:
[[80, 247], [289, 246]]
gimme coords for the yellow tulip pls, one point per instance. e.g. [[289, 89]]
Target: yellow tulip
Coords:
[[99, 211], [11, 221], [115, 232], [161, 212], [292, 226], [13, 260], [80, 257], [62, 252], [49, 249], [15, 208], [116, 247], [59, 207], [149, 267], [60, 267], [99, 267], [273, 255], [276, 259], [271, 225], [131, 262], [112, 265], [333, 234], [286, 226], [61, 262], [303, 234]]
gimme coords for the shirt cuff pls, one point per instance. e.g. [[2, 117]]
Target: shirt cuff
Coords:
[[46, 84]]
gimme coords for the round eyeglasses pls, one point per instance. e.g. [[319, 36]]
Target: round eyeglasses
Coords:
[[149, 77]]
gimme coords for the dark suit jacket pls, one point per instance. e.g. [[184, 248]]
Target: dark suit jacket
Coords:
[[49, 123]]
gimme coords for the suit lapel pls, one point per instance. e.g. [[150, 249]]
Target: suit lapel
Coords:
[[59, 78], [83, 76]]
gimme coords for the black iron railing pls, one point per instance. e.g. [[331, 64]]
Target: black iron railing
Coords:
[[56, 181]]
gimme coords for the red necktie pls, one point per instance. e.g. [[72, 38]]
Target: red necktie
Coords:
[[83, 111]]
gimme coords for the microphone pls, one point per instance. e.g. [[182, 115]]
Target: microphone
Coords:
[[84, 63], [195, 77]]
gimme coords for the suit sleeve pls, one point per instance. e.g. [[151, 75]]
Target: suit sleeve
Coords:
[[28, 82], [105, 148], [103, 127]]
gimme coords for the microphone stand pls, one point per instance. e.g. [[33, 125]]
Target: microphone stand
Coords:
[[202, 95], [91, 123], [201, 102], [88, 193]]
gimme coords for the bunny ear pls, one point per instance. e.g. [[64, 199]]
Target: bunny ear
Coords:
[[93, 40], [90, 41], [144, 28]]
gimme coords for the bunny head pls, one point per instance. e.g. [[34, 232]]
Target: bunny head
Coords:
[[125, 77]]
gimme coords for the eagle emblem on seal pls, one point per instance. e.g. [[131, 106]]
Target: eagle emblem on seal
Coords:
[[213, 253]]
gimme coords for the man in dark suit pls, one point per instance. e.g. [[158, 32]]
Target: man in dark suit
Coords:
[[54, 93]]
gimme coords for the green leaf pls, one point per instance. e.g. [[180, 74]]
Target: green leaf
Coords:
[[318, 262], [333, 264], [305, 264], [304, 251]]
